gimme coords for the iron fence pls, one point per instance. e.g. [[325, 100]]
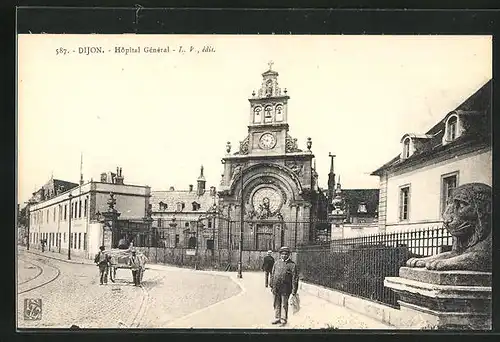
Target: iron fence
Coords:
[[358, 266], [222, 233]]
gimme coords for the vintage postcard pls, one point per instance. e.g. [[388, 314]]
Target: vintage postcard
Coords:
[[254, 182]]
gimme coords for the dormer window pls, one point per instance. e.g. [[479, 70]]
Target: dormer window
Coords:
[[163, 206], [406, 148], [196, 206], [180, 206], [451, 129]]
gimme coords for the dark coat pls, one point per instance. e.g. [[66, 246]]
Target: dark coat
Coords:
[[268, 264], [284, 277]]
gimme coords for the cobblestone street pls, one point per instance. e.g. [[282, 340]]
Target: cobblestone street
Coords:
[[169, 298], [71, 294]]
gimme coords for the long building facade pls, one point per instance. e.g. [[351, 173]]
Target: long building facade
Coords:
[[186, 218], [59, 204]]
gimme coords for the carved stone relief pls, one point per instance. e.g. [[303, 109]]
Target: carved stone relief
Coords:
[[244, 146], [296, 167], [291, 144]]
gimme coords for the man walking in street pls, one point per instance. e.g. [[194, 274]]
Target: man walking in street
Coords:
[[267, 266], [102, 260], [135, 265], [284, 281]]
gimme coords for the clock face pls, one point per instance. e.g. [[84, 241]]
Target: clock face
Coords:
[[267, 141]]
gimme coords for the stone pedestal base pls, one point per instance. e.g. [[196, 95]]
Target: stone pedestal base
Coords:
[[443, 299], [107, 238]]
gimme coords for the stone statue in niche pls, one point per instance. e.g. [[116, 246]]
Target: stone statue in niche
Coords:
[[263, 212], [269, 88], [468, 219], [236, 171]]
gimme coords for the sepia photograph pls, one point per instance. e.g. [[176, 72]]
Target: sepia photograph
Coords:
[[324, 182]]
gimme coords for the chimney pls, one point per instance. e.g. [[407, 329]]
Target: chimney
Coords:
[[201, 183], [104, 177], [190, 187], [119, 176]]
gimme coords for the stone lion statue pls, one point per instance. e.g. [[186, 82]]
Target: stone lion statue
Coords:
[[468, 219]]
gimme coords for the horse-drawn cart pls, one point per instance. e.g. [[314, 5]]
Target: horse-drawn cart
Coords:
[[119, 258]]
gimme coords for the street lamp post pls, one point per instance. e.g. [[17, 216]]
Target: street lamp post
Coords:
[[69, 227]]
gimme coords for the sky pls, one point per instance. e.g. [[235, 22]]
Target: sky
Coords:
[[160, 116]]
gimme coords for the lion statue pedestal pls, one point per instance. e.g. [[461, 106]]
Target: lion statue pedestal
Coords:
[[452, 290], [443, 299]]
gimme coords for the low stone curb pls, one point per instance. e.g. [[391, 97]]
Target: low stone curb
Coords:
[[72, 261]]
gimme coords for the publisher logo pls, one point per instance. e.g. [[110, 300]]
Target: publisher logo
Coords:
[[32, 309]]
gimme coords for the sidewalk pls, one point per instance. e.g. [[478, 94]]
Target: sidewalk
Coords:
[[252, 308], [57, 256]]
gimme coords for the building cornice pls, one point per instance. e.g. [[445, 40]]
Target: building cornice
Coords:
[[268, 155]]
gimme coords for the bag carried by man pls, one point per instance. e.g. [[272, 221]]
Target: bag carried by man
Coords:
[[295, 302]]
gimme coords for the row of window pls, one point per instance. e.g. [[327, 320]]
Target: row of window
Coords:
[[186, 224], [43, 216], [77, 241], [268, 114], [448, 183], [180, 206], [450, 134]]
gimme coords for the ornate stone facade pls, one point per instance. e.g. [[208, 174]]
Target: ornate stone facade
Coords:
[[269, 176]]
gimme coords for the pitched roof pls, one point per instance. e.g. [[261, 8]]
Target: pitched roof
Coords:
[[354, 197], [63, 184], [477, 107], [171, 198]]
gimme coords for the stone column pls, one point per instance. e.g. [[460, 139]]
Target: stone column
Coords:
[[107, 238], [443, 299]]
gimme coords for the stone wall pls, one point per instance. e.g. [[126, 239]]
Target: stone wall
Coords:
[[380, 312]]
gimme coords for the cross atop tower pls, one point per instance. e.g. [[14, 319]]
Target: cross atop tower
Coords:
[[331, 165], [270, 64]]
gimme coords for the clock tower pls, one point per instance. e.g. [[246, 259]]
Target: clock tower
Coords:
[[269, 185], [268, 127]]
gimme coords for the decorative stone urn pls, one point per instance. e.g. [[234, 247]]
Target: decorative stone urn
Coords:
[[452, 290]]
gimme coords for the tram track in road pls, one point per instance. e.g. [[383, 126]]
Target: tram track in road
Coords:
[[40, 271], [24, 288]]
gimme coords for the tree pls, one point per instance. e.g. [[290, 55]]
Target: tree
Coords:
[[22, 216]]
